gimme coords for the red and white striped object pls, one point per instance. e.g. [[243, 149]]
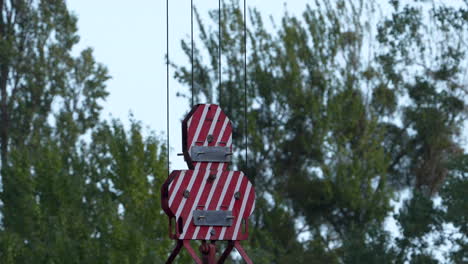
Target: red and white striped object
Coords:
[[204, 194], [206, 121], [207, 185]]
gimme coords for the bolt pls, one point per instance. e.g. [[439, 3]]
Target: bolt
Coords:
[[237, 195], [186, 193], [212, 177], [209, 138]]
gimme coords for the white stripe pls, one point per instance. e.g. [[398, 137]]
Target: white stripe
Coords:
[[213, 123], [241, 213], [253, 207], [189, 188], [221, 198], [200, 124], [195, 203], [177, 186], [223, 193], [219, 169], [218, 175], [189, 122], [210, 131], [239, 180], [221, 133], [213, 188], [229, 140]]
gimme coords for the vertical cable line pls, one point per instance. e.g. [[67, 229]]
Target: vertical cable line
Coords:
[[219, 46], [167, 83], [191, 36], [245, 84]]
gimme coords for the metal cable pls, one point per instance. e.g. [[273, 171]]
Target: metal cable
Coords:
[[167, 83], [191, 35], [219, 48], [245, 84]]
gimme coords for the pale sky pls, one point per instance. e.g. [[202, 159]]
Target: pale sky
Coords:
[[129, 37]]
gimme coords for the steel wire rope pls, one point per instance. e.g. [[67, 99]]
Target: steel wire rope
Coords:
[[219, 49], [167, 84], [245, 86], [191, 36]]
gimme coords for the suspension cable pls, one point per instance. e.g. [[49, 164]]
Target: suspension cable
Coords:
[[245, 85], [191, 35], [167, 83], [219, 47]]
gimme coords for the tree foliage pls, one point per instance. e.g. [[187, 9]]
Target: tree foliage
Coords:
[[345, 110], [349, 105], [75, 188]]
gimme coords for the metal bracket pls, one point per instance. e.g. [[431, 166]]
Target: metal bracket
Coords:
[[210, 154], [212, 218]]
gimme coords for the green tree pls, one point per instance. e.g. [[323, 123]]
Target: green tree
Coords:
[[75, 189], [455, 202], [345, 110]]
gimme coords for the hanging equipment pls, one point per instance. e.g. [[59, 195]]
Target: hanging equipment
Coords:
[[207, 202]]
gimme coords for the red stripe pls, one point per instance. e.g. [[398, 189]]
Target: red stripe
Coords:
[[246, 214], [224, 205], [225, 138], [202, 201], [218, 126], [193, 125], [227, 201], [204, 132], [227, 133], [217, 130], [250, 203], [179, 195], [173, 183], [237, 205], [224, 166], [193, 193], [188, 233], [205, 126], [211, 205]]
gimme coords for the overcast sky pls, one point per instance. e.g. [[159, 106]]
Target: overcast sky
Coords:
[[129, 37]]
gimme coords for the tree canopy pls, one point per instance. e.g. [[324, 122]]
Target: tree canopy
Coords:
[[351, 106], [348, 106], [74, 188]]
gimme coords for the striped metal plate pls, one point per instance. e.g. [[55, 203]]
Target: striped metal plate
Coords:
[[208, 126], [208, 185], [206, 194]]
